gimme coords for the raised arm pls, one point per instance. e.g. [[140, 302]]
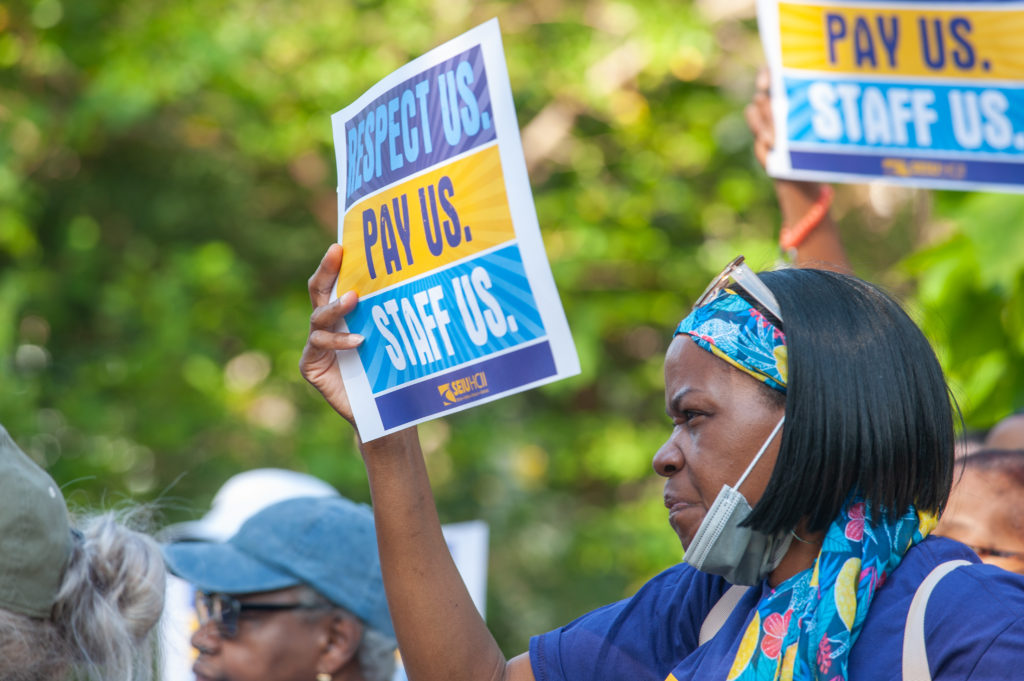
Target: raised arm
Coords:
[[822, 247], [440, 633]]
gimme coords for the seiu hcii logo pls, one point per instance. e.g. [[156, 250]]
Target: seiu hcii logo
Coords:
[[473, 385]]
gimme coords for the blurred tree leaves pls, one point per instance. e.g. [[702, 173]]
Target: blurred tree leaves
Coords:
[[166, 187]]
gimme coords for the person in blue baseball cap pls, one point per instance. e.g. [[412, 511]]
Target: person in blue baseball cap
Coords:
[[295, 595]]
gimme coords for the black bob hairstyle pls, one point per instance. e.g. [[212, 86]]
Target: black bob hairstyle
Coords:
[[867, 406]]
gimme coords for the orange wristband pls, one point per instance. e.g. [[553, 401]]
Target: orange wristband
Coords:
[[791, 237]]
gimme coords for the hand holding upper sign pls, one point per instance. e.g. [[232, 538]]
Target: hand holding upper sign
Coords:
[[405, 517], [808, 230], [319, 363]]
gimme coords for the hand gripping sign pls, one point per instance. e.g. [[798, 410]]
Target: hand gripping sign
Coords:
[[457, 302], [921, 92]]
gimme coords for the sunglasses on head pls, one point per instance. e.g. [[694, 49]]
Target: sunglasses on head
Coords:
[[741, 276], [225, 610]]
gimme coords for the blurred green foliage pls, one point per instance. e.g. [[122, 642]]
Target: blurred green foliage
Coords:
[[167, 186]]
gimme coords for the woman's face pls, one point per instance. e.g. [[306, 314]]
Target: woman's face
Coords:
[[720, 417], [268, 646]]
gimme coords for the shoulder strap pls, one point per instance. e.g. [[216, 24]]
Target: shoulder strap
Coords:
[[720, 613], [915, 656]]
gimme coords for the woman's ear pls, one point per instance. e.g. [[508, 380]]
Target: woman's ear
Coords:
[[343, 636]]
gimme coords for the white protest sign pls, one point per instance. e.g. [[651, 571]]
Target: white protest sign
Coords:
[[457, 302], [924, 93]]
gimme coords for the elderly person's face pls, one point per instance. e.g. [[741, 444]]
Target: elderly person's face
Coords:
[[721, 418], [278, 645], [985, 512]]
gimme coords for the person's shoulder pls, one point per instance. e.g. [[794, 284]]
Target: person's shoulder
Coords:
[[987, 589], [686, 581], [921, 559], [934, 550], [974, 621], [977, 583], [678, 593], [681, 573], [978, 579], [892, 601], [640, 637]]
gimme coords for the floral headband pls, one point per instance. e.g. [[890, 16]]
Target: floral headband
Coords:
[[732, 329]]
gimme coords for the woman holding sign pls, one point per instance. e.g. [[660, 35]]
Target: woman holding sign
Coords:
[[810, 455]]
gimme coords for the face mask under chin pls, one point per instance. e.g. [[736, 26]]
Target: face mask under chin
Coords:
[[722, 547], [739, 554]]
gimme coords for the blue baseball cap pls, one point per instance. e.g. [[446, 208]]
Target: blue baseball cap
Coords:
[[327, 543]]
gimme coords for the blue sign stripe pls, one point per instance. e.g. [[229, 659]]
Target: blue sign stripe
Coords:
[[450, 317], [454, 389], [948, 169], [865, 114]]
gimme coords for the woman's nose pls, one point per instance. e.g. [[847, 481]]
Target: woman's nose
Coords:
[[667, 460], [206, 639]]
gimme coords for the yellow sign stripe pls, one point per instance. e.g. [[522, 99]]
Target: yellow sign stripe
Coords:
[[870, 40], [425, 223]]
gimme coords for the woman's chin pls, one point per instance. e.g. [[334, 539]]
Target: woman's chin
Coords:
[[685, 526], [685, 534]]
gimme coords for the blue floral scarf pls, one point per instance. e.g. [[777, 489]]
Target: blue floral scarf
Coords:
[[804, 629]]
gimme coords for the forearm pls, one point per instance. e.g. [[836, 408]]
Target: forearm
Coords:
[[822, 248], [441, 635]]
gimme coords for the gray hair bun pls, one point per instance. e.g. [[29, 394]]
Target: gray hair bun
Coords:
[[109, 601]]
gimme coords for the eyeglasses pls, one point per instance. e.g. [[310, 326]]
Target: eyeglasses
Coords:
[[741, 274], [225, 610], [990, 552]]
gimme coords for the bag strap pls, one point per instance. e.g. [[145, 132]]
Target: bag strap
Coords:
[[915, 655], [720, 613]]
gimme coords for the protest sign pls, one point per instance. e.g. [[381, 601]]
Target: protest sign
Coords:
[[928, 94], [441, 242]]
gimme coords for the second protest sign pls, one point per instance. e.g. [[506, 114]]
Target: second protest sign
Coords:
[[441, 240]]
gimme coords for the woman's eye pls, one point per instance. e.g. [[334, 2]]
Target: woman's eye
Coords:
[[686, 415]]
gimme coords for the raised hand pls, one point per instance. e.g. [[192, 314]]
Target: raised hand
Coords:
[[820, 245], [759, 117], [319, 363]]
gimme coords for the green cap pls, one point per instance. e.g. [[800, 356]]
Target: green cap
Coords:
[[35, 538]]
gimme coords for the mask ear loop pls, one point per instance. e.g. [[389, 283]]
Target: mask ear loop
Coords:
[[757, 458]]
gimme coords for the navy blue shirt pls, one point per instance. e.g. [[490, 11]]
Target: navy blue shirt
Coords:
[[974, 627]]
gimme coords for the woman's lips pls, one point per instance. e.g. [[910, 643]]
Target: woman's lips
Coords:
[[675, 505], [677, 508], [683, 514]]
